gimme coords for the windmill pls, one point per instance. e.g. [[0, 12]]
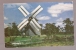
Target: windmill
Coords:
[[31, 25]]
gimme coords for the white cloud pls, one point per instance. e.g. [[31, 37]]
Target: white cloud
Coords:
[[54, 15], [5, 25], [55, 10], [13, 5], [5, 18], [42, 17], [59, 22], [44, 25]]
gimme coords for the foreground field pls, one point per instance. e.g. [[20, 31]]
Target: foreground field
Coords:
[[38, 41]]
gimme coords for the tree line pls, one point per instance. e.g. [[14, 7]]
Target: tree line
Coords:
[[49, 29]]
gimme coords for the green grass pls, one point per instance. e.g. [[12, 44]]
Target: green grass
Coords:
[[54, 44], [7, 39], [37, 41]]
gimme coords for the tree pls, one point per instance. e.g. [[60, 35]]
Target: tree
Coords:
[[69, 27], [51, 29], [15, 29], [7, 31]]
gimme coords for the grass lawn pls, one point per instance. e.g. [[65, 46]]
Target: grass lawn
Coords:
[[37, 41]]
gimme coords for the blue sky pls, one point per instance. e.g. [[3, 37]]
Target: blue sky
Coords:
[[53, 12]]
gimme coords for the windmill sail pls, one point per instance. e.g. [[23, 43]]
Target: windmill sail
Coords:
[[36, 23], [24, 11], [39, 10], [24, 24], [35, 28], [36, 11]]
